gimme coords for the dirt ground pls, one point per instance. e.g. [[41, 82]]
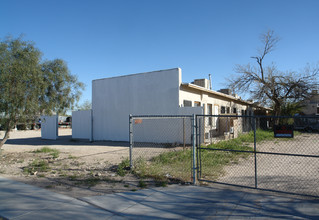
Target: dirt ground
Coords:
[[83, 169], [80, 168], [288, 173]]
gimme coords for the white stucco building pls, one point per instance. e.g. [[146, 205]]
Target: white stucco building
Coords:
[[155, 93]]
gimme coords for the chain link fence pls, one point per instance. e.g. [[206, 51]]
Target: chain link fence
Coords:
[[273, 153], [162, 146]]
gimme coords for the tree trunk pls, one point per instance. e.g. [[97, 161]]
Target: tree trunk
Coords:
[[5, 138], [277, 109]]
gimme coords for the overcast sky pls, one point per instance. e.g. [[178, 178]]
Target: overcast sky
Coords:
[[101, 38]]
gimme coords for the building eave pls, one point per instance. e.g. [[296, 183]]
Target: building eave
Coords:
[[222, 95]]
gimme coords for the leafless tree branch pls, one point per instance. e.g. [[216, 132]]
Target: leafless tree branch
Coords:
[[271, 86]]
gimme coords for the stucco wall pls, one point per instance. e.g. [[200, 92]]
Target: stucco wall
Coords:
[[311, 106], [49, 127], [113, 99], [203, 98], [81, 124], [219, 125]]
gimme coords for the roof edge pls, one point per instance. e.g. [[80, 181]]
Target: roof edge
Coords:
[[134, 74], [193, 86]]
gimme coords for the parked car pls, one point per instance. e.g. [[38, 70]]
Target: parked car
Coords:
[[65, 121], [307, 124]]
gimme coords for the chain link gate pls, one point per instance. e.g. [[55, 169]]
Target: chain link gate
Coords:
[[163, 146], [242, 151]]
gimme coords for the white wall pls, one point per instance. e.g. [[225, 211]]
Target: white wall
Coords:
[[113, 99], [82, 124], [49, 127]]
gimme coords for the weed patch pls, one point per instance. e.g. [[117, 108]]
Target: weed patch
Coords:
[[90, 181], [161, 183], [123, 167], [53, 152], [37, 166], [142, 184], [72, 157], [177, 164]]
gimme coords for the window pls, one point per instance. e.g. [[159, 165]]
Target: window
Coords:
[[317, 110], [235, 110], [187, 103], [223, 110], [228, 110], [242, 112], [209, 109], [197, 104], [209, 112]]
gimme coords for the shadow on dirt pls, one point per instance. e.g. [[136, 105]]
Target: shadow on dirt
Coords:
[[65, 140]]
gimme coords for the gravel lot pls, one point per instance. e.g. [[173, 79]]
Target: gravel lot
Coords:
[[81, 169], [98, 160], [278, 172], [24, 141]]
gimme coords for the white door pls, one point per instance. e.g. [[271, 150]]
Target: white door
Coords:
[[216, 112], [49, 127]]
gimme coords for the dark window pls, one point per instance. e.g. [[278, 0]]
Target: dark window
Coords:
[[209, 109], [187, 103], [223, 110], [209, 112], [317, 110], [228, 110], [234, 110], [242, 112]]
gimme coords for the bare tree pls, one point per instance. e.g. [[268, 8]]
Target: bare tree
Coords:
[[268, 85]]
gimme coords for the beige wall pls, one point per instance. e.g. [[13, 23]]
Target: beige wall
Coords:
[[312, 105], [205, 98], [220, 128]]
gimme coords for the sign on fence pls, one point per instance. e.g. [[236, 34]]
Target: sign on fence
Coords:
[[138, 121], [283, 131]]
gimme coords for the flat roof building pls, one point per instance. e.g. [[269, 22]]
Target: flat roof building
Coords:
[[156, 93]]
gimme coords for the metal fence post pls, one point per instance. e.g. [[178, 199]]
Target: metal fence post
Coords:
[[131, 138], [254, 126], [199, 139], [197, 147], [194, 147]]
